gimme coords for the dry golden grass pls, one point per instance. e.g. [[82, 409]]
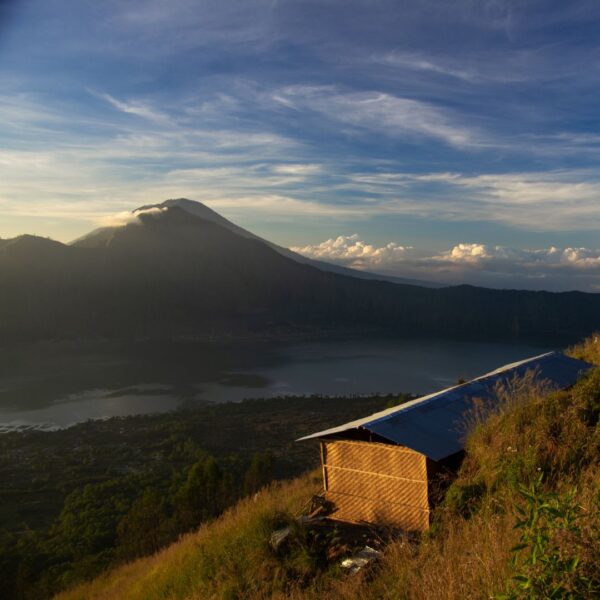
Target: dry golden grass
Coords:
[[469, 561], [228, 558], [588, 350]]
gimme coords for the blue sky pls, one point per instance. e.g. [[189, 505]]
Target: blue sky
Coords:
[[457, 141]]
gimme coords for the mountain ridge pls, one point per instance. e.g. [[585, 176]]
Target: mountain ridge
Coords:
[[170, 273]]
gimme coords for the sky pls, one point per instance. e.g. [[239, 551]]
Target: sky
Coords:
[[449, 141]]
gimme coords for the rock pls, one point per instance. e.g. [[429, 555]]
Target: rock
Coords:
[[366, 556], [279, 536]]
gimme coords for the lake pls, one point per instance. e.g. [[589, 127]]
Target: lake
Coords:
[[56, 384]]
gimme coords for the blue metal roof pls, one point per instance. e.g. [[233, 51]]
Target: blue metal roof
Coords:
[[435, 424]]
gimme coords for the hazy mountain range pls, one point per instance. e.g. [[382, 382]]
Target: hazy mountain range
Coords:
[[179, 268]]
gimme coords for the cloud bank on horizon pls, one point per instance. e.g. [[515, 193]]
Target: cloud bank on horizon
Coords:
[[467, 133], [476, 264]]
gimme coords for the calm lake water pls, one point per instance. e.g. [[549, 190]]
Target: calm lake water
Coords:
[[52, 385]]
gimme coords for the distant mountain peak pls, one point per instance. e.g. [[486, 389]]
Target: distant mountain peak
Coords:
[[191, 206], [105, 236], [31, 241]]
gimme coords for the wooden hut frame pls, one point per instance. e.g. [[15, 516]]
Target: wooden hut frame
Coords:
[[376, 483]]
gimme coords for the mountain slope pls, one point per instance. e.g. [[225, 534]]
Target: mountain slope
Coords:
[[173, 273], [203, 212]]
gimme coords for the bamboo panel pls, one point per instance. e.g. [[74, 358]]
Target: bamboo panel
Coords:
[[359, 510], [376, 483], [376, 486], [376, 458]]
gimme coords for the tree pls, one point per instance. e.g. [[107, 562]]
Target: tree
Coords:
[[202, 496], [259, 473], [145, 527]]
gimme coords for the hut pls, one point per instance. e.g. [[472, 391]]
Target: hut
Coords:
[[382, 469]]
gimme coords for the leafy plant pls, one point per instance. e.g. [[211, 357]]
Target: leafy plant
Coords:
[[464, 498], [547, 559]]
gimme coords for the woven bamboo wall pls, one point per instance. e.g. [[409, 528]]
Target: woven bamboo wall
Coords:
[[377, 483]]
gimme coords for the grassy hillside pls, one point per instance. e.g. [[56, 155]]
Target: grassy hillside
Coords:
[[521, 520]]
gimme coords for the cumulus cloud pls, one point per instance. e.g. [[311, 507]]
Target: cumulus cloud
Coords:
[[475, 263], [491, 256], [351, 250], [582, 257], [545, 268]]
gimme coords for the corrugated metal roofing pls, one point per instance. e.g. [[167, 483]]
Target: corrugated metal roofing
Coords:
[[435, 424]]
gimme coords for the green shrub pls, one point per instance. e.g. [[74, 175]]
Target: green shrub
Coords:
[[464, 497], [547, 561]]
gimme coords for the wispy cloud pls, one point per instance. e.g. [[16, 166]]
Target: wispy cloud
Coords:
[[297, 169], [418, 62], [554, 200], [123, 218], [140, 166], [380, 112], [137, 108]]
